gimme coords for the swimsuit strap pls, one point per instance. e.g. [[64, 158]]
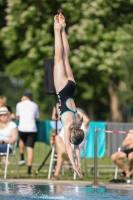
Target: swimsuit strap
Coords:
[[75, 119]]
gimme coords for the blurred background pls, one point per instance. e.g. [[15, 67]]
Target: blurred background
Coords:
[[100, 34]]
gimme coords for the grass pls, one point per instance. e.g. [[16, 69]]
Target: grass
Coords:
[[40, 152]]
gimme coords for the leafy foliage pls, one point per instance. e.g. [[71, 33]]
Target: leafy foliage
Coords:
[[100, 37]]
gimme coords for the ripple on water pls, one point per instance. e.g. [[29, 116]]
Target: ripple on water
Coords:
[[12, 191]]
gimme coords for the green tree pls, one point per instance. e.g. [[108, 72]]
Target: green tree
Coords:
[[101, 30], [98, 32], [2, 24], [28, 41]]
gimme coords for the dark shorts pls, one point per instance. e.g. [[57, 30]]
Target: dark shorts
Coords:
[[28, 138], [3, 148], [127, 151]]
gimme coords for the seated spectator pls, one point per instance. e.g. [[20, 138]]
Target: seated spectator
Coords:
[[60, 146], [3, 102], [126, 151], [55, 117], [8, 130]]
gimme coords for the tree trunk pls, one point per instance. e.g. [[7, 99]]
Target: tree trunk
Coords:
[[116, 114], [91, 111]]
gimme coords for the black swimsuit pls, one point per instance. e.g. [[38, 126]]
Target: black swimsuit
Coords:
[[63, 96]]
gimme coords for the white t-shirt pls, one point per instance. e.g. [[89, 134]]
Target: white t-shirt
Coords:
[[6, 132], [28, 112], [82, 145]]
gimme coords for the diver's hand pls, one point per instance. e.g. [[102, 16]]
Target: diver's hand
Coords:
[[78, 171]]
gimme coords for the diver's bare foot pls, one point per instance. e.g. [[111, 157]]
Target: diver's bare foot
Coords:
[[62, 20], [56, 18], [56, 22]]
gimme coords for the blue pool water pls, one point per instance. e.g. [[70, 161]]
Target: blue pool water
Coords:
[[13, 191]]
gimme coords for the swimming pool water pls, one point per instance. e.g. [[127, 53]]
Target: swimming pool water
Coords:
[[13, 191]]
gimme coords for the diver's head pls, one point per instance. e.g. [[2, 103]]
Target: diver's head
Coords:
[[76, 136]]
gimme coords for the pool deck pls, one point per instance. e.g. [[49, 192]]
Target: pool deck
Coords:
[[125, 186]]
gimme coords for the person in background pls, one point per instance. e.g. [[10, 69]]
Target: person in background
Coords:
[[56, 118], [3, 102], [60, 145], [8, 130], [27, 113], [55, 113], [126, 151]]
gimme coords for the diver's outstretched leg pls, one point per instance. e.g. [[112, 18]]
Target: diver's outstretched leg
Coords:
[[66, 48], [60, 79]]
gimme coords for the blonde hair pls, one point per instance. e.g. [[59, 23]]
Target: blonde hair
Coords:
[[77, 137], [77, 133], [77, 125]]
